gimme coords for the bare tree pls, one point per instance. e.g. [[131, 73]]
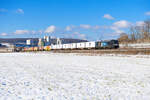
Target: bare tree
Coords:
[[123, 38], [140, 33]]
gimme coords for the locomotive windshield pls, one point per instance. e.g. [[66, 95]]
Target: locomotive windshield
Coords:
[[114, 41]]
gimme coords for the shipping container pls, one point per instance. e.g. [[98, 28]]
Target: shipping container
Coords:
[[73, 45], [90, 45], [81, 45]]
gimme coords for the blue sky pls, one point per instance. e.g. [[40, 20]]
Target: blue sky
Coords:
[[84, 19]]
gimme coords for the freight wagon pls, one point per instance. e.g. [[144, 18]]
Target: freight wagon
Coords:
[[47, 48], [73, 45], [90, 45], [81, 45]]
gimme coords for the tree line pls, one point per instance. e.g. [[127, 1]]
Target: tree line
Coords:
[[137, 34]]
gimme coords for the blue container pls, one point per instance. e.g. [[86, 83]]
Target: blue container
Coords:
[[104, 44]]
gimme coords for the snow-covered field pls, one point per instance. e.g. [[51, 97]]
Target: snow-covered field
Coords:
[[47, 76]]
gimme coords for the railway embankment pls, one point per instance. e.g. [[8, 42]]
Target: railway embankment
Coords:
[[128, 51]]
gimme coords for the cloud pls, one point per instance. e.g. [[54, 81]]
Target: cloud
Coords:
[[100, 27], [50, 29], [108, 16], [82, 36], [68, 28], [75, 35], [140, 23], [18, 32], [85, 26], [40, 31], [116, 30], [3, 10], [3, 34], [79, 35], [20, 11], [33, 32], [147, 13], [96, 27], [121, 24], [21, 32], [118, 27]]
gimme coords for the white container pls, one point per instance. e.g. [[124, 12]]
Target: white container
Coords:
[[64, 46], [91, 44], [81, 45], [68, 46], [60, 46], [54, 47], [73, 45], [57, 46]]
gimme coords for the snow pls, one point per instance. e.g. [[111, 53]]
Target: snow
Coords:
[[135, 45], [51, 76]]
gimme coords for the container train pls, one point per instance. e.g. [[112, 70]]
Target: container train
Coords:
[[109, 44], [87, 45]]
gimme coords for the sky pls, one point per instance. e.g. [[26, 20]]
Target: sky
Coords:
[[82, 19]]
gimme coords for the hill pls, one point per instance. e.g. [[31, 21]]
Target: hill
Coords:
[[35, 40]]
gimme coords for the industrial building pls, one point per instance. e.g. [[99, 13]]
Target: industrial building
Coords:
[[17, 44], [7, 47]]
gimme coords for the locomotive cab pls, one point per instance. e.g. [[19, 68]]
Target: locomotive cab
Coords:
[[114, 43]]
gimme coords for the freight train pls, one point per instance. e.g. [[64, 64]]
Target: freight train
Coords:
[[109, 44]]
